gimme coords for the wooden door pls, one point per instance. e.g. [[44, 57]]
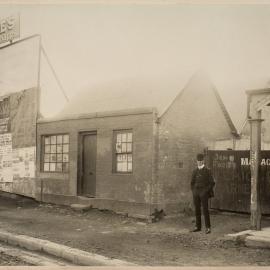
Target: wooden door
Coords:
[[88, 165], [224, 169]]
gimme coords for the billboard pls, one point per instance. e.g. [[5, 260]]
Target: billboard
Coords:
[[9, 28], [19, 65]]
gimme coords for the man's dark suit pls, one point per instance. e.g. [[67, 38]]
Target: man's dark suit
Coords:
[[202, 184]]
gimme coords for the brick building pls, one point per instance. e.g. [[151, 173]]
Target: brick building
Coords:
[[127, 148]]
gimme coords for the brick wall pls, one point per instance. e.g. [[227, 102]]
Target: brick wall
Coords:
[[192, 123], [133, 187]]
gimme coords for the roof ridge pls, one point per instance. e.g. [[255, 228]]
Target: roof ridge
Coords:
[[225, 112]]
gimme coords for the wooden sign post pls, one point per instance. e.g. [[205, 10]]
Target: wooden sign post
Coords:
[[255, 160]]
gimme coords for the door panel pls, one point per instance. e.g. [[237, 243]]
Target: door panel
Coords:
[[89, 149]]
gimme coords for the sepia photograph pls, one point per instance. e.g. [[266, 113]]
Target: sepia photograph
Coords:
[[134, 133]]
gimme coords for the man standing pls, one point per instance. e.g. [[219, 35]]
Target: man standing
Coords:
[[202, 184]]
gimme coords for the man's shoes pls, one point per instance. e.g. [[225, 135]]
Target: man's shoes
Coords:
[[208, 230], [196, 229]]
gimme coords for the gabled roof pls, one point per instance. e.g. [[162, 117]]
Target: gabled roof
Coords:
[[198, 82], [131, 94], [123, 95]]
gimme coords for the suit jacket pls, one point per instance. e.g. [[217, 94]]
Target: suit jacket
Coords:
[[202, 182]]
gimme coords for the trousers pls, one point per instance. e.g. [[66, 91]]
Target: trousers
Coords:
[[201, 200]]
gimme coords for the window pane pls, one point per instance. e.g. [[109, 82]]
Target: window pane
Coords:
[[129, 157], [65, 167], [118, 148], [47, 158], [65, 157], [47, 140], [119, 166], [118, 138], [66, 139], [52, 167], [124, 137], [129, 137], [53, 158], [46, 167], [124, 157], [129, 147], [59, 158], [124, 147], [119, 157], [53, 139], [53, 148], [47, 148], [59, 139], [59, 167], [124, 167], [59, 148], [130, 167], [65, 148]]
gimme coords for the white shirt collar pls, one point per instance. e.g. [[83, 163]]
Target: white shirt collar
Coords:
[[200, 167]]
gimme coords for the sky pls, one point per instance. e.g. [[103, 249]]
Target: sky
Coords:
[[89, 44]]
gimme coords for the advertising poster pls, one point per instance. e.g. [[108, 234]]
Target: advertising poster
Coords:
[[23, 162], [6, 174]]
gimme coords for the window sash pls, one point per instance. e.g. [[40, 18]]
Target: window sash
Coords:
[[123, 151], [55, 153]]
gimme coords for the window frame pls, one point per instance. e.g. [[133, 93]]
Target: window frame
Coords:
[[43, 152], [114, 152]]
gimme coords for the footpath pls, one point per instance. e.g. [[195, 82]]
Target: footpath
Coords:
[[103, 238], [252, 238]]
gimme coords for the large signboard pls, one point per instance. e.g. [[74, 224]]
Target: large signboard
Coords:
[[9, 28], [19, 65]]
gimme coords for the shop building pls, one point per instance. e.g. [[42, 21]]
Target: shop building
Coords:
[[125, 152]]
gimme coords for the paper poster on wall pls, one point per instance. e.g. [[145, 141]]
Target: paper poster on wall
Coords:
[[24, 162], [6, 174], [4, 125]]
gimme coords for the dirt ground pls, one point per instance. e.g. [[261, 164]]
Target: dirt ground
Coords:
[[165, 243]]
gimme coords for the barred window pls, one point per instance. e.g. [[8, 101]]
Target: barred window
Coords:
[[123, 151], [55, 153]]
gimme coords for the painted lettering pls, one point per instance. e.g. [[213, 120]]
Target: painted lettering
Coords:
[[246, 162], [3, 26], [9, 28]]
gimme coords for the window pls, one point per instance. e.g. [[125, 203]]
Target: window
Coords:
[[55, 153], [123, 151]]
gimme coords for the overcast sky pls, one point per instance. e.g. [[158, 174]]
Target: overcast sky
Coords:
[[92, 43]]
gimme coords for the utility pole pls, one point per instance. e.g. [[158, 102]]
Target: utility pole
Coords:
[[255, 162]]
